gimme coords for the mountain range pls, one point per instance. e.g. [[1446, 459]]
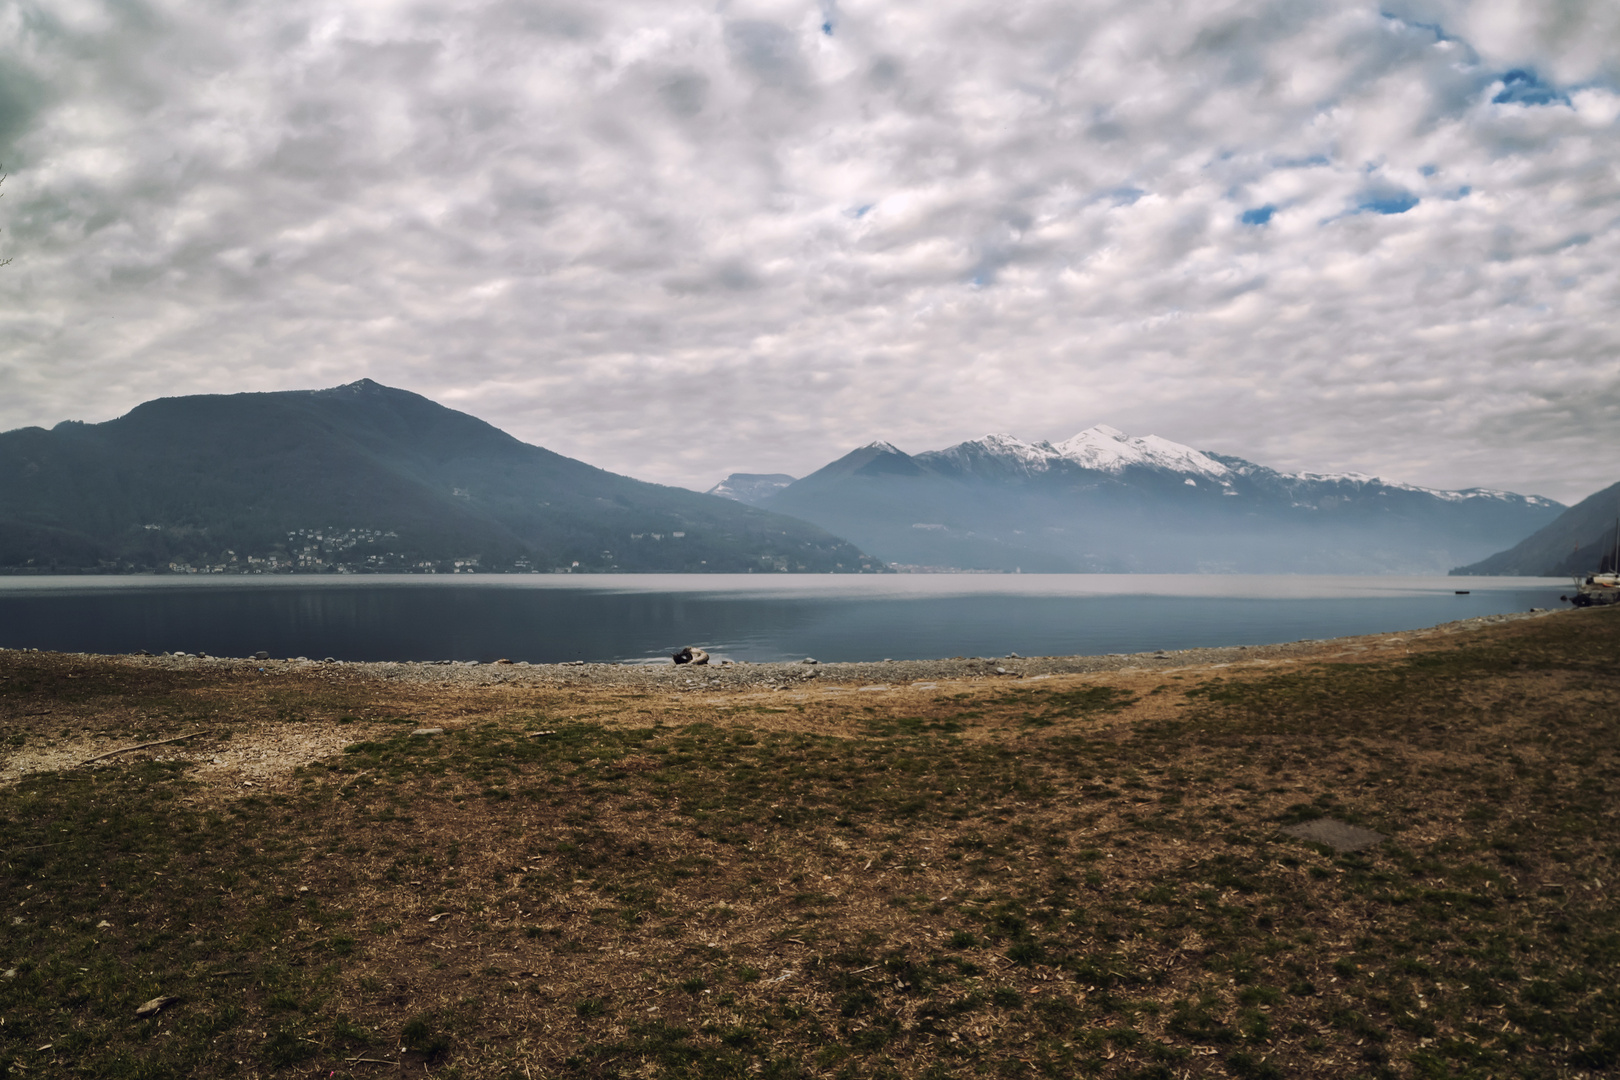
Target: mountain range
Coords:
[[1580, 540], [359, 477], [366, 477], [1105, 501]]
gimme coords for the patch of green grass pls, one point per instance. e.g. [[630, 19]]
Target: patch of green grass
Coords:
[[1043, 708], [424, 1034]]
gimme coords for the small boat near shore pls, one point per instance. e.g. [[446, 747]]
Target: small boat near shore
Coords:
[[1603, 587], [1592, 590]]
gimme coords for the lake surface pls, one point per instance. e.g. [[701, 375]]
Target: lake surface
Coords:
[[551, 618]]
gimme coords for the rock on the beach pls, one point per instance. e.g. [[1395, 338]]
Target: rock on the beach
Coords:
[[1338, 835], [155, 1006]]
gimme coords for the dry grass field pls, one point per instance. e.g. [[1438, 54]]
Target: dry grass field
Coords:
[[1082, 876]]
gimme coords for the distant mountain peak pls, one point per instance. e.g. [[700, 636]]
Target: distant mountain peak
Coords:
[[367, 478], [1108, 449], [362, 386], [750, 488], [1100, 448], [1012, 444], [1347, 477], [1002, 451], [1108, 501]]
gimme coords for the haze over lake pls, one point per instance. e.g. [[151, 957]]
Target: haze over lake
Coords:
[[554, 618]]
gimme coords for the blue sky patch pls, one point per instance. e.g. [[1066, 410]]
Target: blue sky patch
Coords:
[[829, 16], [1260, 215], [1398, 203], [1521, 86]]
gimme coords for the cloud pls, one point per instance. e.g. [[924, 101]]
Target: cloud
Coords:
[[678, 241]]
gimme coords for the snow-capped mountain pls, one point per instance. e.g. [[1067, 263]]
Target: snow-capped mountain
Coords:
[[1106, 500], [1107, 449], [1100, 449], [1239, 467]]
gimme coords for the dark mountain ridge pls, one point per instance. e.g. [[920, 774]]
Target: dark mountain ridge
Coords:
[[1578, 541], [361, 476]]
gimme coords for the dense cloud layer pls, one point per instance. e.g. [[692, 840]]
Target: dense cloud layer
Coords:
[[677, 240]]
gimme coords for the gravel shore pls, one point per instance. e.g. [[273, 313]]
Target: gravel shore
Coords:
[[733, 676]]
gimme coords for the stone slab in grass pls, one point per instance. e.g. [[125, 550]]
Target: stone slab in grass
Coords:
[[1338, 835]]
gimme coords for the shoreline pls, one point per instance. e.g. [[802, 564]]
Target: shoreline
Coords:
[[265, 749], [871, 674]]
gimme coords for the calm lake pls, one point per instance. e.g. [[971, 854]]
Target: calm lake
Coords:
[[549, 618]]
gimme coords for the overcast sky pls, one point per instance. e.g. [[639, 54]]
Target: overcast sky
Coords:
[[680, 240]]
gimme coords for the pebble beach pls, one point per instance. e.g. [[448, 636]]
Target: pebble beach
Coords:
[[733, 676]]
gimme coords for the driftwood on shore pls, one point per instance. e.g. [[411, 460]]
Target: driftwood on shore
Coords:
[[139, 746]]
